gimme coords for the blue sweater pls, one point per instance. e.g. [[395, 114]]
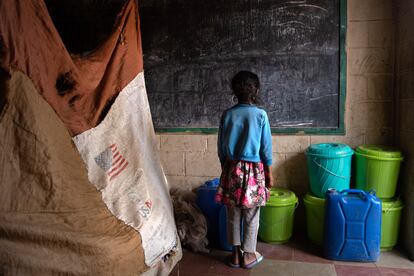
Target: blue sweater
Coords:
[[244, 134]]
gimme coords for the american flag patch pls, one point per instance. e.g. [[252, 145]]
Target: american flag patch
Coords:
[[111, 161]]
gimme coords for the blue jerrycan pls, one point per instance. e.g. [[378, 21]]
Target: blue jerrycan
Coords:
[[215, 214], [210, 209], [352, 226]]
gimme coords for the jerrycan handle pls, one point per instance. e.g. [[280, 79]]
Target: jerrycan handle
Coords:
[[362, 194]]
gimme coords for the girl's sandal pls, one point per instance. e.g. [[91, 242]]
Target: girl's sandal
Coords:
[[233, 265], [259, 258]]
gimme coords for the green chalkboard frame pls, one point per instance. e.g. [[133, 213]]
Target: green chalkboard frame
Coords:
[[340, 130]]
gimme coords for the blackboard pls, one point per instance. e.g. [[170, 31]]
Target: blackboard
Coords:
[[192, 48]]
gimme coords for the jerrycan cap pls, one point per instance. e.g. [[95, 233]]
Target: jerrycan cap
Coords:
[[210, 184]]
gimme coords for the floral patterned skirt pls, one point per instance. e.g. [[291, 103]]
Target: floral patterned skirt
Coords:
[[242, 184]]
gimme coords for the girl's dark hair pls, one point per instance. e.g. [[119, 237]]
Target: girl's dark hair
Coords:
[[245, 86]]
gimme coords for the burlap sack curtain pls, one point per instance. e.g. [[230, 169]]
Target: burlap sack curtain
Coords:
[[101, 100]]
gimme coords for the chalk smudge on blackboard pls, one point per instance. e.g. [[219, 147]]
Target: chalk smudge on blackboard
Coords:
[[193, 47]]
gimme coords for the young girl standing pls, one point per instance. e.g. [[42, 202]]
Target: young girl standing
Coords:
[[245, 152]]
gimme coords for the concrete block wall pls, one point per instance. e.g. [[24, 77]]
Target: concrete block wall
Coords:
[[191, 159], [405, 115]]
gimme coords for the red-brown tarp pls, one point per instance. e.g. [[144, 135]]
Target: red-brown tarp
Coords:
[[78, 88]]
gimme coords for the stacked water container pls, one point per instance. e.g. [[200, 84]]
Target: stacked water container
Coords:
[[349, 221], [377, 169], [329, 166]]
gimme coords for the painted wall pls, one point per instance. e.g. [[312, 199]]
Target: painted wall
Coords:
[[189, 160], [405, 114]]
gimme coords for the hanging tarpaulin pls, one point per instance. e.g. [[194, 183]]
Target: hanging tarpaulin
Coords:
[[102, 101], [52, 220], [120, 154], [79, 89]]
